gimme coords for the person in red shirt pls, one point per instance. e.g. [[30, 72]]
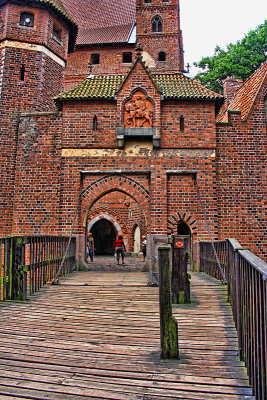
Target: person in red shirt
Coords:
[[120, 249]]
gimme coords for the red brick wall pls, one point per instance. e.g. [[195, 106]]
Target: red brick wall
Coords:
[[40, 33], [242, 176], [110, 62], [183, 202], [37, 183], [78, 124], [199, 124], [43, 79]]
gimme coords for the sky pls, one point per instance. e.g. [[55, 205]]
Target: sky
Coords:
[[207, 23]]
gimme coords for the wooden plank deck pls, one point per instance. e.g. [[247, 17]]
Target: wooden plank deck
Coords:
[[96, 336]]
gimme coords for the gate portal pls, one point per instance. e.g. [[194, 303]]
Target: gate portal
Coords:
[[104, 235]]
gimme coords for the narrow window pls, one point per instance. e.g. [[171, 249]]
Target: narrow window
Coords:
[[165, 1], [157, 24], [95, 58], [22, 73], [26, 19], [147, 1], [56, 35], [127, 57], [182, 123], [95, 123], [162, 56]]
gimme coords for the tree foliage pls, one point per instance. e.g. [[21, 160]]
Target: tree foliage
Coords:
[[239, 60]]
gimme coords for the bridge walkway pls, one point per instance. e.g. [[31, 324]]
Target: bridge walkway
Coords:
[[96, 336]]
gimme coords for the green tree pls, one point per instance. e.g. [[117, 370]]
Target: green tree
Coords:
[[239, 60]]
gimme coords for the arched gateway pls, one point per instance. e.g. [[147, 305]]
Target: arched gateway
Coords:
[[112, 205]]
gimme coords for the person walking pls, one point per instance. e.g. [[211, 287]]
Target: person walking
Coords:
[[144, 243], [120, 249], [90, 246]]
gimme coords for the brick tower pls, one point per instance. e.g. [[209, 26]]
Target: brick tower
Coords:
[[158, 30], [35, 38]]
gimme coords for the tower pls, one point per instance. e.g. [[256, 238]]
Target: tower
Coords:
[[158, 30], [35, 38]]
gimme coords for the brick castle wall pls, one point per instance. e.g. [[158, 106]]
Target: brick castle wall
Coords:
[[241, 178]]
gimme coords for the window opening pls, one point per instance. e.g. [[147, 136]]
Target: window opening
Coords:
[[147, 1], [26, 19], [57, 33], [22, 73], [95, 58], [162, 56], [127, 57], [182, 123], [95, 123], [157, 24]]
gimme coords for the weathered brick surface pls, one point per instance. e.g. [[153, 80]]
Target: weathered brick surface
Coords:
[[40, 33], [199, 124], [241, 178], [42, 58], [37, 178], [169, 40], [78, 124], [111, 62]]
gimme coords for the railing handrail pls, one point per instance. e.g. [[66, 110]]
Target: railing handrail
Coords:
[[258, 263], [28, 262], [247, 292]]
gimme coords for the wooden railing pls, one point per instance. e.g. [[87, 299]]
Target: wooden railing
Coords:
[[28, 262], [247, 292]]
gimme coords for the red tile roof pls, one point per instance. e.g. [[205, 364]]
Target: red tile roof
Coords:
[[172, 86], [102, 21], [109, 34], [246, 95]]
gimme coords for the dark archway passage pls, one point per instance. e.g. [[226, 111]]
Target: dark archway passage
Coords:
[[104, 235], [183, 229]]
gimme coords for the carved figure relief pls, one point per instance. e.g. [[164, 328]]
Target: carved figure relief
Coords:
[[138, 111]]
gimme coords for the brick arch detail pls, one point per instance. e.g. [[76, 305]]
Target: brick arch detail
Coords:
[[106, 184], [113, 217], [108, 218], [139, 223], [178, 217]]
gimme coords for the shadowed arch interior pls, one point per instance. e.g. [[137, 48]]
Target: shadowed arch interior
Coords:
[[104, 235]]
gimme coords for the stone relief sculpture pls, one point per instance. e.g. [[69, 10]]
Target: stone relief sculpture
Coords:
[[138, 111]]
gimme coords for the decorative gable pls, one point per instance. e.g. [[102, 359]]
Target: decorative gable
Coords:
[[138, 106]]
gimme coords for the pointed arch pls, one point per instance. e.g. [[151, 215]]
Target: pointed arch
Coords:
[[157, 25], [108, 183], [178, 218]]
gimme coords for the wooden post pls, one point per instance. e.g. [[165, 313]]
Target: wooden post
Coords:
[[19, 270], [180, 279], [168, 324]]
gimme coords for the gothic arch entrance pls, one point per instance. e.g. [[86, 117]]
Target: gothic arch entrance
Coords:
[[104, 234]]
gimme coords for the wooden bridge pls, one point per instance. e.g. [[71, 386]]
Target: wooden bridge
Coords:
[[97, 336]]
